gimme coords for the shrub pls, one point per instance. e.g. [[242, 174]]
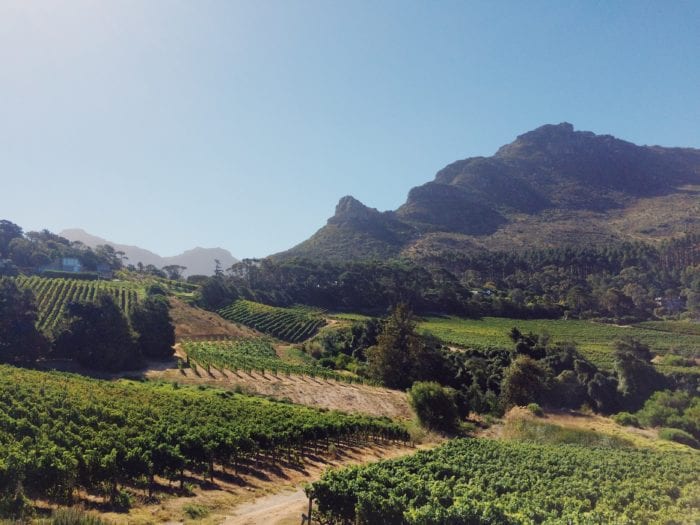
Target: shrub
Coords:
[[679, 436], [327, 362], [121, 500], [435, 405], [535, 409], [195, 512], [626, 419]]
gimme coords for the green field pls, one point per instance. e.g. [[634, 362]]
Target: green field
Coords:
[[594, 340]]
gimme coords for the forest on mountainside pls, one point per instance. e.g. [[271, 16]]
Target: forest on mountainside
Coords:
[[618, 283]]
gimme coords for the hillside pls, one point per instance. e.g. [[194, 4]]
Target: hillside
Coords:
[[198, 261], [552, 186]]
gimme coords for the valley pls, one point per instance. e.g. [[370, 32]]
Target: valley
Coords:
[[518, 343]]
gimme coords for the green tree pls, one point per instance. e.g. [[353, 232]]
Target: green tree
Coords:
[[434, 405], [525, 381], [97, 335], [174, 271], [8, 231], [20, 342], [637, 377], [151, 319], [602, 390], [391, 360]]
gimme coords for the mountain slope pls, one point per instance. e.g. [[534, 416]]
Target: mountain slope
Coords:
[[552, 186], [198, 261]]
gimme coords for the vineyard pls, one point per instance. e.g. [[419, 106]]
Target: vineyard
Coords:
[[250, 354], [595, 340], [486, 481], [61, 432], [52, 296], [287, 324]]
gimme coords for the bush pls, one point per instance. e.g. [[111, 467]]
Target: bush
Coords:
[[679, 436], [195, 512], [679, 410], [535, 409], [626, 419], [327, 362], [435, 405], [122, 500]]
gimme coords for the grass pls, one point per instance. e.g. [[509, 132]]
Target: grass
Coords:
[[195, 512], [594, 340], [522, 429], [566, 427]]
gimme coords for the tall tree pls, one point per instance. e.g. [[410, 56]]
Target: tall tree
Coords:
[[8, 231], [151, 319], [391, 360], [97, 335], [525, 381], [637, 377], [174, 271], [20, 341]]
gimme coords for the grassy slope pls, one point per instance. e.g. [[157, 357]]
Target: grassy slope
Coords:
[[595, 340]]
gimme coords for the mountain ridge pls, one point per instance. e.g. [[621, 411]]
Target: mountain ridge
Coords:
[[551, 186], [197, 260]]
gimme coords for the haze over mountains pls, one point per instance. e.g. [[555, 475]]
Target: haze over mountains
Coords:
[[550, 187], [198, 261]]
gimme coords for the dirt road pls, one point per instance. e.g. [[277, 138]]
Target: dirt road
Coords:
[[284, 508]]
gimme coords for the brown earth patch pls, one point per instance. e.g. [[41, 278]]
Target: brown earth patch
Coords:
[[305, 390], [195, 323]]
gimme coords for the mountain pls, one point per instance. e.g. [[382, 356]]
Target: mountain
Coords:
[[551, 187], [198, 261]]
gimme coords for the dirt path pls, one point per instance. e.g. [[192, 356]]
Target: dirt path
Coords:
[[277, 509], [287, 506]]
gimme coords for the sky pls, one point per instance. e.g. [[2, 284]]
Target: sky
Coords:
[[172, 124]]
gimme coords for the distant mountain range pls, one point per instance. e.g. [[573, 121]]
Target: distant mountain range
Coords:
[[551, 187], [198, 261]]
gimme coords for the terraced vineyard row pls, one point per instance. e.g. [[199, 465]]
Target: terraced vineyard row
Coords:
[[62, 432], [486, 481], [288, 324], [251, 354], [52, 296]]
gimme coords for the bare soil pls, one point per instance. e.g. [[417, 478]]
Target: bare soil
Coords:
[[195, 323], [305, 390]]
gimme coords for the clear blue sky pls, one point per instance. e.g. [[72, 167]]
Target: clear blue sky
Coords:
[[173, 124]]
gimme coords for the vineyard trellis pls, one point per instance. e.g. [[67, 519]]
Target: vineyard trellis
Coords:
[[53, 295], [488, 481], [62, 432], [249, 354], [293, 325]]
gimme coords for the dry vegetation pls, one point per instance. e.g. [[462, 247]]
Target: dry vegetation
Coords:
[[305, 390], [511, 428], [194, 323]]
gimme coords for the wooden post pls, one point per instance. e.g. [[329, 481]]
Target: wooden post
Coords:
[[306, 518]]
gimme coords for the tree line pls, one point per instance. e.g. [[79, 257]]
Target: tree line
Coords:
[[618, 283], [96, 333]]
